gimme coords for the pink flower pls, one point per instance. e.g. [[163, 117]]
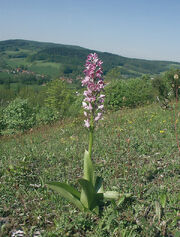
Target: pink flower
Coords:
[[94, 83], [89, 107], [101, 107], [86, 93], [101, 96], [90, 99], [99, 115], [84, 104], [99, 63], [87, 124]]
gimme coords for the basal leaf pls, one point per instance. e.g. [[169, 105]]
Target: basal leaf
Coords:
[[87, 194], [98, 185], [123, 197], [158, 210], [111, 195], [121, 200], [163, 199], [88, 168], [68, 192]]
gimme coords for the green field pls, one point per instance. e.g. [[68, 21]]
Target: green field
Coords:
[[57, 60], [47, 68], [39, 67], [135, 150]]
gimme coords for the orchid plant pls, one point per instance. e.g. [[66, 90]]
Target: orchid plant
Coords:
[[92, 193]]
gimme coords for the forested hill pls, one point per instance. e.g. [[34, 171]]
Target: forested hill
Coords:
[[59, 60]]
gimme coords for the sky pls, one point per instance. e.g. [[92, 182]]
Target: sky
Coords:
[[148, 29]]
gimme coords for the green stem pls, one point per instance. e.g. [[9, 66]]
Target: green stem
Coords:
[[91, 137], [90, 142]]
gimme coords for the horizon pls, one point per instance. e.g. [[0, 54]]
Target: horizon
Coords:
[[93, 50], [140, 30]]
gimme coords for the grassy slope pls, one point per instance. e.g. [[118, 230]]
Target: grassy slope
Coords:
[[134, 150]]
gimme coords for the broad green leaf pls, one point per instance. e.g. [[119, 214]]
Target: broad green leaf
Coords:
[[68, 192], [163, 198], [87, 194], [99, 198], [96, 203], [66, 186], [98, 185], [158, 210], [123, 197], [127, 195], [88, 168], [111, 195], [121, 200]]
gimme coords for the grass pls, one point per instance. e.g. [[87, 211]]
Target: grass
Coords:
[[134, 150], [40, 67], [16, 62], [47, 68]]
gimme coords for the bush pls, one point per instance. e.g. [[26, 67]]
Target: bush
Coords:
[[163, 86], [46, 115], [19, 115], [129, 93], [59, 97], [76, 107], [2, 125]]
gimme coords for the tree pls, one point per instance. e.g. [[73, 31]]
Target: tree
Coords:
[[162, 85], [59, 97], [114, 73]]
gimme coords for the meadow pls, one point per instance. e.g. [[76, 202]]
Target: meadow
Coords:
[[135, 151], [43, 139]]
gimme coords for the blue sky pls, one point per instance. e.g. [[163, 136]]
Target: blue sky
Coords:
[[147, 29]]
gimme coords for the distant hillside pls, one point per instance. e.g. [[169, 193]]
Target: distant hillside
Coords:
[[58, 60]]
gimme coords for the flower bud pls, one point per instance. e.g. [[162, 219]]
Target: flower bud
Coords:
[[176, 76]]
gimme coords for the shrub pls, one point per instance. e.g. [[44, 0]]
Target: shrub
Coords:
[[2, 125], [162, 85], [46, 115], [59, 96], [129, 93], [19, 115], [76, 107]]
